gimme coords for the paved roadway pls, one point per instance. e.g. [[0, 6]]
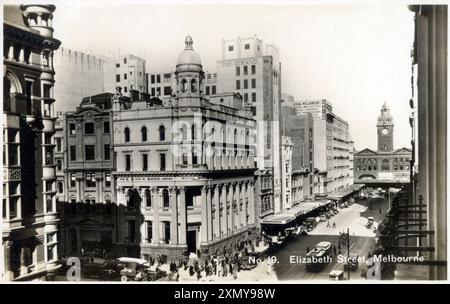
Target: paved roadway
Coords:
[[362, 241]]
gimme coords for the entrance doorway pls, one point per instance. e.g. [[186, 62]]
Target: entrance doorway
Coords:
[[192, 241]]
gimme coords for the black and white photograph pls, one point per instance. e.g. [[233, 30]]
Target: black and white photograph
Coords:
[[192, 142]]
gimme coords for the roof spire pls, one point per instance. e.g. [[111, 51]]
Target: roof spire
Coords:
[[189, 42]]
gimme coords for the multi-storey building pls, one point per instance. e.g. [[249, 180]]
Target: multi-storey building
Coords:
[[160, 84], [185, 168], [286, 173], [87, 73], [29, 218], [332, 144], [129, 74], [254, 71], [86, 210], [386, 164]]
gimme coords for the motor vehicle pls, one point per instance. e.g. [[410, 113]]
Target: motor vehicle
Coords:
[[290, 233], [138, 270], [248, 262], [336, 275], [103, 271], [352, 263], [318, 257], [369, 222], [323, 218], [310, 223]]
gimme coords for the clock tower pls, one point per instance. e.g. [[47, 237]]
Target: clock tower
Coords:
[[385, 129]]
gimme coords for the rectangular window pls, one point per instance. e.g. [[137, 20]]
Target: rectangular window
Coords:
[[167, 91], [247, 46], [230, 48], [194, 159], [72, 129], [118, 78], [131, 228], [162, 158], [125, 89], [207, 90], [107, 152], [158, 78], [117, 65], [90, 180], [58, 145], [238, 71], [124, 61], [125, 76], [245, 97], [166, 232], [144, 162], [152, 78], [72, 180], [89, 152], [245, 70], [238, 84], [106, 127], [73, 153], [245, 84], [149, 231], [88, 128], [253, 97], [108, 180], [253, 69], [213, 90], [253, 83], [127, 162], [153, 92], [185, 159]]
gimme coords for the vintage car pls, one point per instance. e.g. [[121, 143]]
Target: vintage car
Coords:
[[138, 270], [336, 275], [103, 271], [318, 257]]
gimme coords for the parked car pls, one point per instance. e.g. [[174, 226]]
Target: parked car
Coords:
[[104, 271], [139, 270], [369, 222], [323, 218]]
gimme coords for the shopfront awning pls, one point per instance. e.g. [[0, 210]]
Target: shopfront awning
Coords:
[[343, 193], [278, 219], [291, 214]]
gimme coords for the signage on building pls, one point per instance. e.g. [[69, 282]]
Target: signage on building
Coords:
[[239, 62]]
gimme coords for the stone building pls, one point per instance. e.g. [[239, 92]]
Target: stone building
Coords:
[[87, 207], [185, 168], [29, 218], [128, 73], [386, 164]]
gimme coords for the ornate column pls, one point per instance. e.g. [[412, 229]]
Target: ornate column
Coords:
[[223, 200], [204, 218], [155, 224], [217, 191], [11, 52], [237, 195], [174, 221], [231, 208], [183, 215], [251, 202], [99, 188], [21, 54], [209, 214]]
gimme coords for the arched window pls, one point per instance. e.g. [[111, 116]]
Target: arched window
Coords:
[[144, 133], [193, 85], [148, 198], [183, 85], [127, 134], [235, 139], [162, 133], [165, 196], [131, 199]]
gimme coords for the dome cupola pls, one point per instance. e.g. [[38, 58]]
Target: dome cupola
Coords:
[[189, 60]]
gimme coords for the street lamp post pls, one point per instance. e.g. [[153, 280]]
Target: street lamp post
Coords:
[[344, 239]]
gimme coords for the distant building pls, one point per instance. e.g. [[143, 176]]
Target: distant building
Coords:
[[128, 73], [29, 219], [86, 73], [332, 144], [386, 164]]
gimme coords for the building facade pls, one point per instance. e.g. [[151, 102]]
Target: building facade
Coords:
[[386, 164], [128, 73], [185, 168], [87, 208], [29, 219], [332, 144]]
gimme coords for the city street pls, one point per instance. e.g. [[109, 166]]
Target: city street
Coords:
[[362, 241]]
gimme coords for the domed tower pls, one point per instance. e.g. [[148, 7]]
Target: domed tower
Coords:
[[189, 75], [40, 18], [385, 127]]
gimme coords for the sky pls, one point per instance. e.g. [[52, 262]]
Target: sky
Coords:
[[356, 56]]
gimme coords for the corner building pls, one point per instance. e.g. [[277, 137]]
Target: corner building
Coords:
[[29, 218], [185, 169]]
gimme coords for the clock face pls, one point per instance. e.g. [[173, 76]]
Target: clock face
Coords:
[[385, 131]]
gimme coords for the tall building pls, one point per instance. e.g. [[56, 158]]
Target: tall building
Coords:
[[185, 169], [128, 73], [86, 208], [386, 164], [29, 217], [254, 71], [86, 73], [332, 144]]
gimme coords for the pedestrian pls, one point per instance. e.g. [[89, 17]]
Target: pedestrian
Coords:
[[307, 250], [334, 225], [380, 210], [269, 267], [199, 275], [235, 273]]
